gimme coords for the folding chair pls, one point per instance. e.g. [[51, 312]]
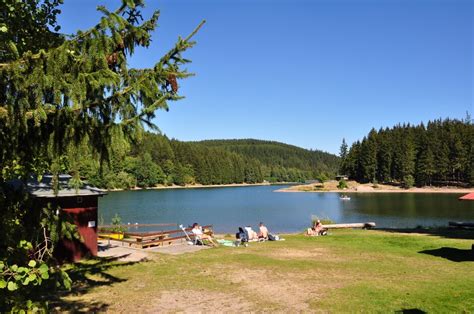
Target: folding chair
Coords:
[[190, 241]]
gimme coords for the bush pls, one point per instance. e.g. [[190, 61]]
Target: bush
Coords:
[[408, 182], [322, 178], [122, 180], [125, 180], [116, 222], [342, 184]]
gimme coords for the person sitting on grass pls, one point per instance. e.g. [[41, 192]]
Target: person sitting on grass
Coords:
[[197, 231], [317, 229], [263, 233]]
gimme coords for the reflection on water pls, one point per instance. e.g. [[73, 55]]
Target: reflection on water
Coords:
[[411, 205], [228, 208]]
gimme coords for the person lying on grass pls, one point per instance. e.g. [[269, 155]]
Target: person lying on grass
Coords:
[[251, 233], [263, 233], [197, 231]]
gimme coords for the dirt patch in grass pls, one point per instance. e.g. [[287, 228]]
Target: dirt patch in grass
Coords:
[[291, 253], [191, 301], [297, 254], [283, 290]]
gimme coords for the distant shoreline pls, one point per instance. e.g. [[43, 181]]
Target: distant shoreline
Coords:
[[199, 186], [354, 187]]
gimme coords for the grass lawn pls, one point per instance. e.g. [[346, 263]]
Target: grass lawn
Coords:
[[349, 270]]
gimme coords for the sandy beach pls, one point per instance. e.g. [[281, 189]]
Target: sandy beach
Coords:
[[354, 187], [197, 186]]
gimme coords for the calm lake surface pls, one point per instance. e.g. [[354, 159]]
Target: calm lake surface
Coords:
[[231, 207]]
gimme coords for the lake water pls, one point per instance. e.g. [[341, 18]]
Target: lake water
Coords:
[[230, 207]]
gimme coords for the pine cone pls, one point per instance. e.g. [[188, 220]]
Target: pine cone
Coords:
[[173, 82], [112, 59]]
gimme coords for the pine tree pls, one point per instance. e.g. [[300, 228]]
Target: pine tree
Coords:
[[83, 90], [470, 168], [368, 157], [384, 157], [343, 154], [458, 158], [468, 142], [441, 157], [425, 164], [408, 157], [59, 93], [353, 164]]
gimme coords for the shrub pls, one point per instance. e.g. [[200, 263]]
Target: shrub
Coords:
[[322, 178], [125, 180], [408, 181], [342, 184], [116, 222]]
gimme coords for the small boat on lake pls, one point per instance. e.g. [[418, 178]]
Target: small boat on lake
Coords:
[[344, 198]]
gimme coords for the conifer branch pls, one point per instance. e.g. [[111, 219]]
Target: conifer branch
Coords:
[[74, 92], [195, 31], [90, 31]]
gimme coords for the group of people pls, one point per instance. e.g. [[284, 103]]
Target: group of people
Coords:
[[317, 229], [247, 235]]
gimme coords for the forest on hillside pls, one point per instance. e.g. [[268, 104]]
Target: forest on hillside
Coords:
[[157, 160], [279, 154], [440, 153]]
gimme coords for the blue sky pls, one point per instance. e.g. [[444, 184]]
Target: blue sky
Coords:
[[308, 73]]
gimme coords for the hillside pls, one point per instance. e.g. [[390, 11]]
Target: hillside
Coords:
[[275, 154], [157, 160]]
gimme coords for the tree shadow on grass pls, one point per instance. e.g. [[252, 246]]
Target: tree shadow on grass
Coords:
[[85, 276], [410, 311], [445, 232], [452, 254]]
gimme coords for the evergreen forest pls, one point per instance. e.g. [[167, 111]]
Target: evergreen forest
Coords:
[[438, 153], [157, 160]]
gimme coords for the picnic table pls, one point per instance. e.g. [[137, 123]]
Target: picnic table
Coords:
[[154, 238]]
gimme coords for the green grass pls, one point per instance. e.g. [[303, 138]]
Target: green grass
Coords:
[[349, 270]]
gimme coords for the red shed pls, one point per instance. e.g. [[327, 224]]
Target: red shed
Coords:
[[81, 204]]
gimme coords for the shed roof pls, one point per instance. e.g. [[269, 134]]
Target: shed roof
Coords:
[[468, 197], [44, 188]]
